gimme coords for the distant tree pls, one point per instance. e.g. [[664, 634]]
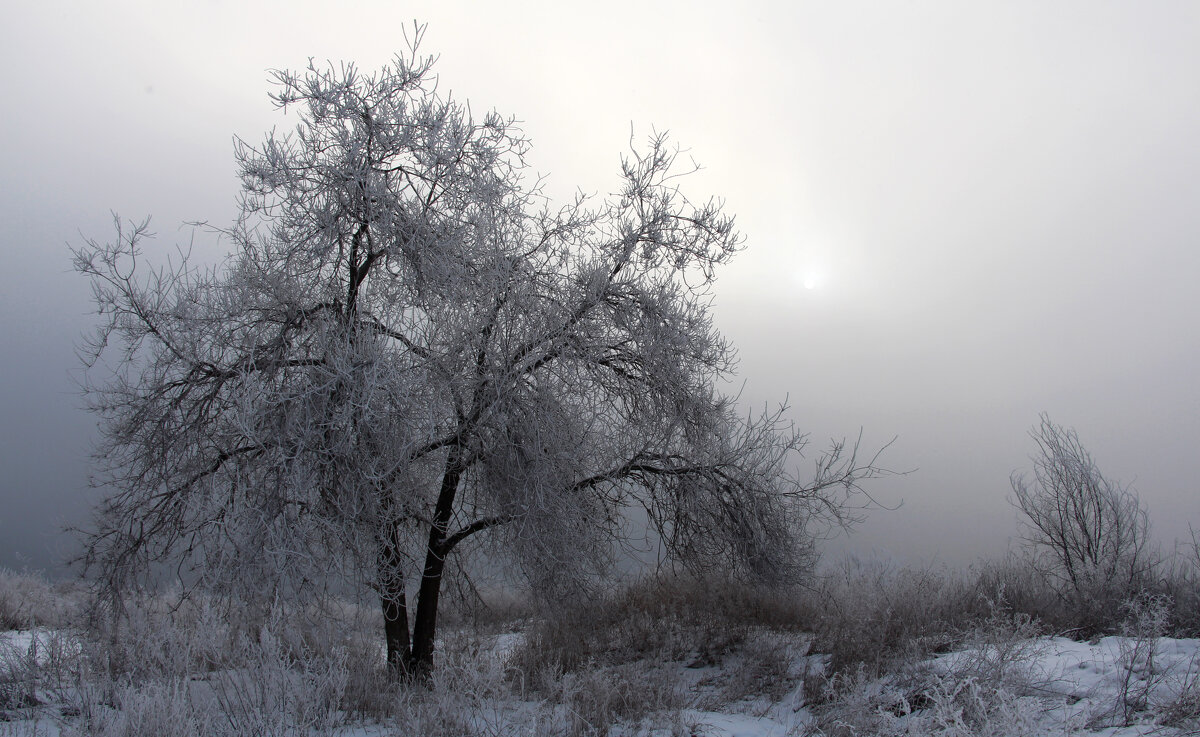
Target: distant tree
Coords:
[[1093, 531], [407, 350]]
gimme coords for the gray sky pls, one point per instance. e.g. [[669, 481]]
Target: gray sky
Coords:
[[958, 214]]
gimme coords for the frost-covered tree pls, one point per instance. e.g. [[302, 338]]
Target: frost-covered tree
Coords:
[[408, 351], [1092, 532]]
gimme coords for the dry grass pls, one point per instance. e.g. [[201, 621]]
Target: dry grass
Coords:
[[657, 619], [872, 615], [976, 691], [182, 666], [620, 658], [28, 600]]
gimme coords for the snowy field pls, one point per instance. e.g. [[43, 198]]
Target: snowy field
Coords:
[[1114, 686]]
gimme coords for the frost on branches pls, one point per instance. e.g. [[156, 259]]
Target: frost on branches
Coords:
[[408, 352]]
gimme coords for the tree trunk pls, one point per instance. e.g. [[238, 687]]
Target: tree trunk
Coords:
[[425, 626], [393, 600], [395, 625], [425, 623]]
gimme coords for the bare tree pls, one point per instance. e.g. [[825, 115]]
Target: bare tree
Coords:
[[1094, 531], [407, 350]]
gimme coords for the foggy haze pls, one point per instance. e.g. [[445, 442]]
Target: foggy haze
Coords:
[[957, 215]]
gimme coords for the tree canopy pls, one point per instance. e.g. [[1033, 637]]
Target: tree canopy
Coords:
[[408, 349]]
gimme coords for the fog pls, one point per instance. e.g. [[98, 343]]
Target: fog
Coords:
[[957, 216]]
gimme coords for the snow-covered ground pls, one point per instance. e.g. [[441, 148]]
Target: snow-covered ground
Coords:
[[1116, 687]]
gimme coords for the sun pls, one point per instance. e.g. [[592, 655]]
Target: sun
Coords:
[[810, 279]]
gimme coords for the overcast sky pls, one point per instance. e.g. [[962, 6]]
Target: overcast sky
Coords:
[[958, 215]]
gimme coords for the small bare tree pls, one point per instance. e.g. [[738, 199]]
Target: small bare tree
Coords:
[[1093, 531], [408, 351]]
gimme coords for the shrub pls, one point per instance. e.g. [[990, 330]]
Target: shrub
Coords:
[[875, 615], [161, 637], [922, 699], [28, 600], [1013, 585], [659, 618], [1089, 534], [763, 671], [1180, 585], [593, 700]]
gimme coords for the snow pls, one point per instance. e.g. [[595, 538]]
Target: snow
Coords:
[[1112, 687], [1069, 687], [711, 724], [37, 644], [506, 643]]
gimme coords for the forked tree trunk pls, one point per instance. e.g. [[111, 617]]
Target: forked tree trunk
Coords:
[[425, 625]]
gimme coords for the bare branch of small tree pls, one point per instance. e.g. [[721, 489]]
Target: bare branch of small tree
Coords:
[[1093, 532]]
